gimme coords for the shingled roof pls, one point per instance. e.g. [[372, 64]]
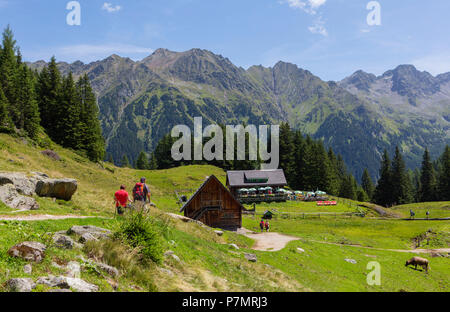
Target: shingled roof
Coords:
[[212, 177], [249, 178]]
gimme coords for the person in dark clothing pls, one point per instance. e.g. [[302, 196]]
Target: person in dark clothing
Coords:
[[261, 225], [141, 193]]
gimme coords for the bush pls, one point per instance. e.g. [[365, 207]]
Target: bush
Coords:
[[142, 232]]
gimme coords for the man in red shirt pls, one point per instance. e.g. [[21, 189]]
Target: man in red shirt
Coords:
[[122, 198]]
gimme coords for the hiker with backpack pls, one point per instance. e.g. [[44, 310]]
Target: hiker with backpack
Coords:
[[266, 225], [141, 193], [412, 214], [121, 198], [261, 225]]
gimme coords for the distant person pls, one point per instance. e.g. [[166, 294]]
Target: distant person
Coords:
[[267, 226], [121, 198], [412, 214], [428, 215], [141, 193], [261, 225]]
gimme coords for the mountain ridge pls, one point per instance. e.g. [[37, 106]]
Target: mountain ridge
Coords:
[[140, 101]]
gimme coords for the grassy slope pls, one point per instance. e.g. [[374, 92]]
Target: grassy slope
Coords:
[[208, 264]]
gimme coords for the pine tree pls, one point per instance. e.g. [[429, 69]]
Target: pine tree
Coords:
[[153, 164], [427, 192], [5, 120], [9, 72], [286, 151], [125, 163], [444, 176], [70, 125], [111, 159], [349, 188], [142, 161], [28, 113], [49, 89], [367, 184], [93, 142], [362, 195], [383, 190], [401, 184]]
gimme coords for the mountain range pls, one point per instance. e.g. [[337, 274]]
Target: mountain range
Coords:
[[359, 117]]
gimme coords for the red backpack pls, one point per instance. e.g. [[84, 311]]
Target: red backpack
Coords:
[[138, 191]]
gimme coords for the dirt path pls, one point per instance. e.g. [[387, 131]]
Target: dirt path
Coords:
[[41, 217], [276, 241], [268, 241]]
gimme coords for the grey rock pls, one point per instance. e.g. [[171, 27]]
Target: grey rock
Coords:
[[73, 269], [176, 258], [87, 237], [95, 231], [168, 253], [77, 284], [31, 251], [23, 184], [219, 233], [20, 285], [11, 198], [300, 250], [63, 241], [108, 269], [352, 261], [28, 269], [251, 257], [234, 246], [57, 188], [166, 271]]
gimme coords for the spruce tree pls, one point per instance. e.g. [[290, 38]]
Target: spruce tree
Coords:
[[444, 176], [142, 161], [9, 72], [287, 149], [349, 188], [93, 142], [28, 112], [5, 120], [70, 125], [367, 184], [125, 163], [383, 190], [401, 184], [427, 192]]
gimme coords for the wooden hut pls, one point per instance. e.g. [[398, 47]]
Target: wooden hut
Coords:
[[214, 205]]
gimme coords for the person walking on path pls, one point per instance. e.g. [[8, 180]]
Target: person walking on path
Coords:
[[141, 192], [412, 214], [267, 226], [121, 198], [261, 225]]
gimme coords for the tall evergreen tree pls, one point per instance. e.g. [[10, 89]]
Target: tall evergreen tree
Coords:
[[367, 184], [28, 112], [142, 161], [9, 72], [401, 184], [5, 120], [93, 142], [286, 151], [444, 176], [349, 188], [427, 192], [383, 190], [125, 163], [70, 125]]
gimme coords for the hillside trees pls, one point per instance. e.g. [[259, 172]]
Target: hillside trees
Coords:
[[444, 175], [367, 184], [383, 191], [428, 187]]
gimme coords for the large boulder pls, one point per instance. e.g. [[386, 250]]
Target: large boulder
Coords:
[[20, 285], [63, 241], [23, 184], [89, 232], [56, 188], [11, 198], [30, 251]]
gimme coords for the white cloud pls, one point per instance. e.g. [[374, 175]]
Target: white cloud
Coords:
[[435, 63], [110, 8], [318, 27], [309, 6]]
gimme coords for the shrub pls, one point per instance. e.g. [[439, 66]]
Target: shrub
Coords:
[[142, 232]]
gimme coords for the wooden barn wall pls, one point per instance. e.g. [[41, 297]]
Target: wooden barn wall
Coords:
[[230, 216]]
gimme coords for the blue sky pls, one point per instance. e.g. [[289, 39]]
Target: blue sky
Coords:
[[331, 38]]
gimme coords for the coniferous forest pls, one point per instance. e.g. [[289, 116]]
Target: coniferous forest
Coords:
[[32, 102]]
